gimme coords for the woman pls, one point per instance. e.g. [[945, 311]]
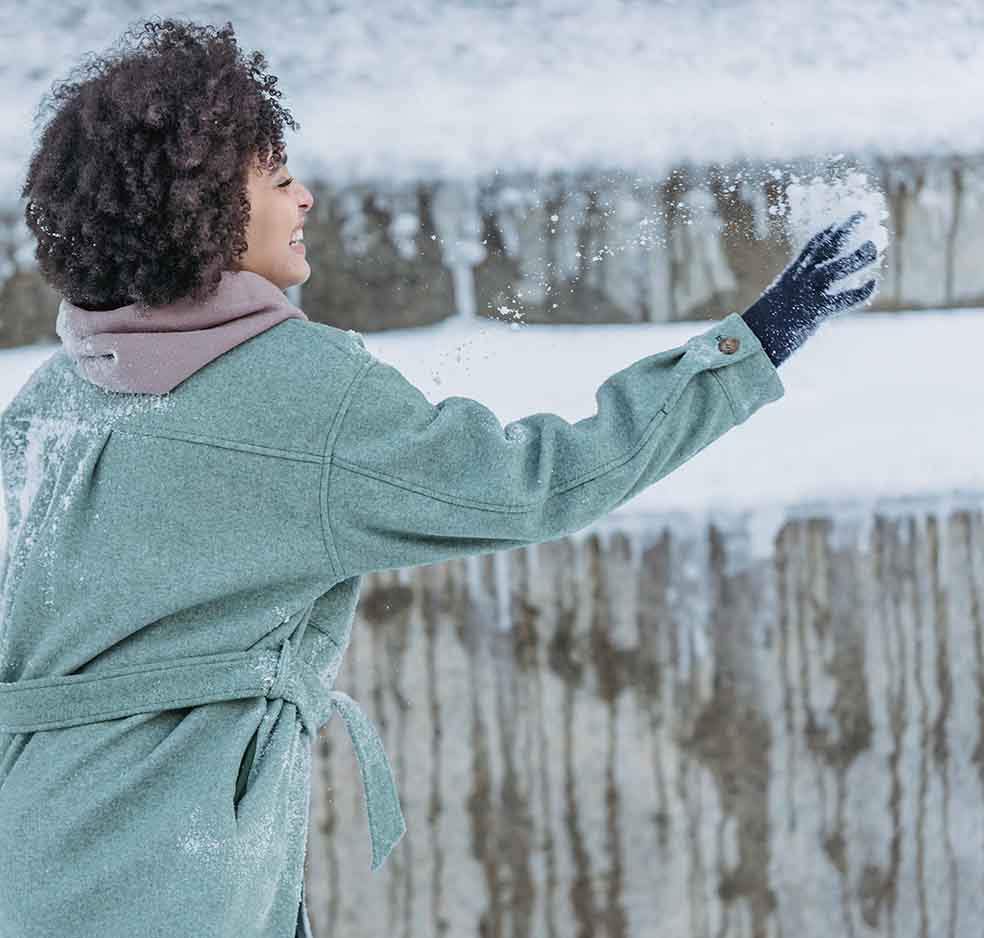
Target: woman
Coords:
[[196, 483]]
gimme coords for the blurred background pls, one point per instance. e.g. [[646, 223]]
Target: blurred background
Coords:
[[747, 702]]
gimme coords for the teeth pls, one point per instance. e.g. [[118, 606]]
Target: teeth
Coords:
[[298, 237]]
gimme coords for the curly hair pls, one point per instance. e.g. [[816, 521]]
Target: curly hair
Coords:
[[137, 187]]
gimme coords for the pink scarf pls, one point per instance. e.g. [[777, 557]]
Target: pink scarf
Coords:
[[151, 350]]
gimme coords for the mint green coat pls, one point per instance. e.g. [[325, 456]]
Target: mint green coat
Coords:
[[180, 585]]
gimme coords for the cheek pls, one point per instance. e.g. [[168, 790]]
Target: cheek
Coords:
[[272, 238], [267, 224]]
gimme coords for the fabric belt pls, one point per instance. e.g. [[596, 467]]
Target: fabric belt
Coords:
[[50, 703]]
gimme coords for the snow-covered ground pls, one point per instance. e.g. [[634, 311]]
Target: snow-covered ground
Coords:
[[876, 404]]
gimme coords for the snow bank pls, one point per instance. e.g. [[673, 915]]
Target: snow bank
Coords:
[[877, 404], [400, 90]]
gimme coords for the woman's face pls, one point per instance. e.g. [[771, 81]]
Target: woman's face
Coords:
[[278, 205]]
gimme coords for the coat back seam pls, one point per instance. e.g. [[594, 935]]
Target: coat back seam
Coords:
[[238, 445]]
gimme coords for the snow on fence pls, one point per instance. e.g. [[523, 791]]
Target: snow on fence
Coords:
[[596, 248]]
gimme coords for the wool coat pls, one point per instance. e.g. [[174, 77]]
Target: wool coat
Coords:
[[181, 580]]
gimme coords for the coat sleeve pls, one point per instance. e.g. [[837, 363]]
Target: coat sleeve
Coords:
[[409, 482]]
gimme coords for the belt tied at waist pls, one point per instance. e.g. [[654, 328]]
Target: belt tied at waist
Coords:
[[49, 703]]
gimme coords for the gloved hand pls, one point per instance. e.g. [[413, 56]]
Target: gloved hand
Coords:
[[793, 306]]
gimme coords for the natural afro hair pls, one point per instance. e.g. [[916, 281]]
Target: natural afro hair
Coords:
[[137, 187]]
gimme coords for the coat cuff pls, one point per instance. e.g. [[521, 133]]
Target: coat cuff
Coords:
[[747, 374]]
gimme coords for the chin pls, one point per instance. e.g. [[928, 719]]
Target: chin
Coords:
[[292, 278], [297, 281]]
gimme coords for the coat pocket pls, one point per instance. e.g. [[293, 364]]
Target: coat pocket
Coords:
[[246, 763]]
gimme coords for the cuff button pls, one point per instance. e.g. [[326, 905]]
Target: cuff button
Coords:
[[728, 345]]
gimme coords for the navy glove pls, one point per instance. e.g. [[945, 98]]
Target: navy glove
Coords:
[[795, 304]]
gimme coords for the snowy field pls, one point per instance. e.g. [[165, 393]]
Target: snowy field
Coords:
[[876, 404]]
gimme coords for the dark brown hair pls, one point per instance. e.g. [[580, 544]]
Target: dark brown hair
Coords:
[[137, 187]]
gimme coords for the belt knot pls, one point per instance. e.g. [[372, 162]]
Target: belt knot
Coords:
[[297, 682]]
